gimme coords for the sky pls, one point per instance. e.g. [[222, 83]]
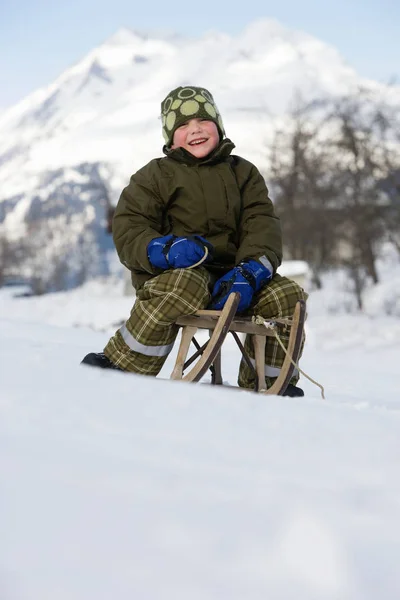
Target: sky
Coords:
[[39, 39]]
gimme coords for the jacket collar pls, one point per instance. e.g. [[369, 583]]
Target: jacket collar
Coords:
[[181, 155]]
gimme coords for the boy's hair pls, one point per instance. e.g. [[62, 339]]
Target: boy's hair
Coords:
[[188, 102]]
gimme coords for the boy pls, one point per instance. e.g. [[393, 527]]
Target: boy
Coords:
[[197, 200]]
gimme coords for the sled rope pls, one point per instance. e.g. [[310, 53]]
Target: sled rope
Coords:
[[272, 326], [203, 258]]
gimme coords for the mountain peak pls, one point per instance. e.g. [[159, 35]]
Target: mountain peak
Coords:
[[124, 36], [265, 33]]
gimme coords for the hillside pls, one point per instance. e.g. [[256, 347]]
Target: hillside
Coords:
[[146, 488]]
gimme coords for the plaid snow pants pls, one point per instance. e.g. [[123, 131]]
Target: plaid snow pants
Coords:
[[144, 342]]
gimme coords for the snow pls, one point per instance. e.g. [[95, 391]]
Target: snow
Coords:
[[117, 485], [293, 267]]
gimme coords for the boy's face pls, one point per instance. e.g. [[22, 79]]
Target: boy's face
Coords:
[[197, 136]]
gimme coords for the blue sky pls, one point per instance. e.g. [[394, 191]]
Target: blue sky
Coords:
[[41, 38]]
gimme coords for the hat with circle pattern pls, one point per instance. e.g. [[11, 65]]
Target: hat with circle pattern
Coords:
[[186, 103]]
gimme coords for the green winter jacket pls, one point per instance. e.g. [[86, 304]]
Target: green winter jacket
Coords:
[[221, 197]]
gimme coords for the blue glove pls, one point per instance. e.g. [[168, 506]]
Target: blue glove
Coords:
[[247, 278], [172, 252]]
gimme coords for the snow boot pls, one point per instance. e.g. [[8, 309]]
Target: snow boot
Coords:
[[99, 360], [293, 391]]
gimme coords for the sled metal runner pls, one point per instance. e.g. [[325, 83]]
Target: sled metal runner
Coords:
[[221, 322]]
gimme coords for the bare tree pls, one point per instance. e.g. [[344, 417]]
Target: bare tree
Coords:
[[302, 187], [387, 124], [335, 174], [356, 165], [11, 257]]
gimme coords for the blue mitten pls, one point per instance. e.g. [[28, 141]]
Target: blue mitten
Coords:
[[172, 252], [247, 278]]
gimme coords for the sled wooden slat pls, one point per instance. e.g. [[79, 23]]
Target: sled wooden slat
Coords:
[[219, 323], [219, 329], [202, 320], [188, 333], [293, 351]]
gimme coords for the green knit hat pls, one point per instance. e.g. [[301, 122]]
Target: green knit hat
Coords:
[[184, 103]]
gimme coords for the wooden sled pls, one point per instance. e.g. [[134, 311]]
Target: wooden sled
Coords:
[[219, 324]]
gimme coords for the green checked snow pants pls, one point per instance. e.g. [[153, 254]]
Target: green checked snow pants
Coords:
[[143, 343]]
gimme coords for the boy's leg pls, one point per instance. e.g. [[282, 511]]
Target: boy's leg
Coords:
[[144, 342], [277, 299]]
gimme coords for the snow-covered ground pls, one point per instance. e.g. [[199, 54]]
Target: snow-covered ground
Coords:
[[116, 485]]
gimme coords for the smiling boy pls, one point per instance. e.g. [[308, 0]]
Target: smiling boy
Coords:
[[198, 197], [197, 136]]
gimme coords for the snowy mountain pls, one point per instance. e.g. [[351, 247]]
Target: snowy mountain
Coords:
[[104, 110], [106, 107]]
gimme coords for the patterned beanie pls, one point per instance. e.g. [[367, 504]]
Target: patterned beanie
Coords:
[[186, 103]]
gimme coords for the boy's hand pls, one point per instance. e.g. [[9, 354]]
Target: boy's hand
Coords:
[[247, 278], [172, 252]]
